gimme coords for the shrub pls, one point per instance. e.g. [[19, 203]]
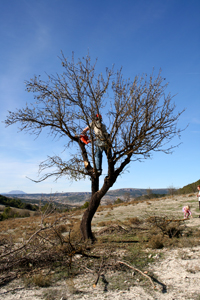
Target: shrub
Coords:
[[7, 213], [48, 208], [62, 228], [42, 280], [102, 224], [118, 201], [134, 221], [171, 228], [156, 242], [17, 203], [85, 205], [174, 230]]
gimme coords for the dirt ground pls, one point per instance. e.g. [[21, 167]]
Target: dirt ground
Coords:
[[177, 270]]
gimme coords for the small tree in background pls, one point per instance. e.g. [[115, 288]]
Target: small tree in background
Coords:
[[149, 193], [172, 190], [140, 119], [127, 196]]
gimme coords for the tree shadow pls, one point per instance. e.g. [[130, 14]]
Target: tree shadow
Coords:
[[106, 283], [164, 287]]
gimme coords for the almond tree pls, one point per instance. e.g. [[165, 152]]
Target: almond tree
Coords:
[[140, 119]]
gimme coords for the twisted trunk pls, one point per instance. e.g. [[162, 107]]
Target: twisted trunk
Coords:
[[90, 211], [97, 195], [93, 205]]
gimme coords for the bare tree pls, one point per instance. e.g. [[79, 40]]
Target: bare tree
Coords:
[[127, 196], [149, 192], [172, 190], [140, 119]]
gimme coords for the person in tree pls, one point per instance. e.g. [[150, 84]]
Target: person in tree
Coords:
[[101, 140]]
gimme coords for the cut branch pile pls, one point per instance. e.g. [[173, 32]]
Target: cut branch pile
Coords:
[[44, 247]]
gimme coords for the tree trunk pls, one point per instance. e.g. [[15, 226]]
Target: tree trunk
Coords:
[[94, 204], [87, 219], [90, 211]]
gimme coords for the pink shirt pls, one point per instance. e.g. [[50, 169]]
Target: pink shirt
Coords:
[[186, 211]]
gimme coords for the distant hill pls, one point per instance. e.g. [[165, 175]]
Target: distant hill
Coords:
[[134, 192], [16, 192], [190, 188], [81, 197]]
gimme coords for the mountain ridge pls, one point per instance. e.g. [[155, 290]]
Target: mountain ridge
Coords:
[[18, 192], [81, 197], [14, 192]]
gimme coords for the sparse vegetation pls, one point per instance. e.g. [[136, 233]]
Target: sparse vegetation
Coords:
[[9, 212], [135, 221], [85, 205], [118, 201], [169, 227], [43, 250], [41, 280], [156, 242]]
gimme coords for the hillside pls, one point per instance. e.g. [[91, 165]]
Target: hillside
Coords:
[[79, 198], [17, 203], [190, 188]]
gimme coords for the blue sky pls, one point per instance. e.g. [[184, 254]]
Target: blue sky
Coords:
[[138, 35]]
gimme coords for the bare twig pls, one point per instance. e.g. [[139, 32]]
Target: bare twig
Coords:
[[145, 275], [98, 274], [20, 248]]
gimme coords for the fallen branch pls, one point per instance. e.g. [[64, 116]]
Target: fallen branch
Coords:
[[12, 291], [124, 263], [20, 248]]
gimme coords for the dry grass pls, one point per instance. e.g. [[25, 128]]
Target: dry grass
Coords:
[[42, 280], [156, 242], [134, 221]]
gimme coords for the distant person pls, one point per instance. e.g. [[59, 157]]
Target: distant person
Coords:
[[101, 136], [198, 195], [187, 212]]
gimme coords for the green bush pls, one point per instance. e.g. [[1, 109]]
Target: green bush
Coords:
[[118, 201], [17, 203], [10, 212], [7, 213], [85, 205]]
